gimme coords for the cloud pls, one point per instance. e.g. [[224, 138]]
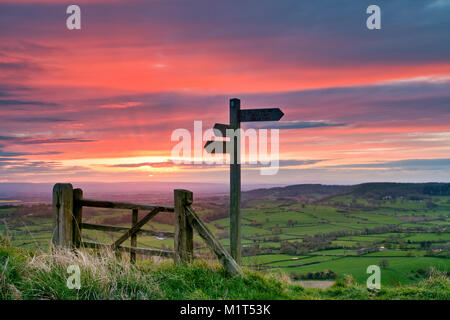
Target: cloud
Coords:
[[19, 167], [18, 154], [394, 101], [294, 31], [285, 163], [294, 124], [121, 105], [409, 164], [143, 164], [12, 102], [39, 119], [439, 4], [46, 2], [7, 90], [17, 66], [7, 160], [18, 140], [11, 154], [165, 164]]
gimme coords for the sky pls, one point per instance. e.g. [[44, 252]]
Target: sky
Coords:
[[100, 104]]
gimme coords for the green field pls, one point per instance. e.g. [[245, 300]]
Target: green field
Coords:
[[399, 270]]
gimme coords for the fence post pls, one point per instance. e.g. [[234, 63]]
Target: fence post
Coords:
[[134, 220], [77, 217], [63, 215], [184, 241]]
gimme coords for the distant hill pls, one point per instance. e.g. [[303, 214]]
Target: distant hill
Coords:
[[307, 190], [144, 192], [364, 190], [381, 189], [127, 191]]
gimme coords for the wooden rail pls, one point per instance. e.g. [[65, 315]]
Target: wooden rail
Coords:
[[151, 233], [143, 251], [68, 206], [122, 205]]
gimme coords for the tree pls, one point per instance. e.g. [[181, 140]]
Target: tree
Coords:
[[430, 205], [384, 263]]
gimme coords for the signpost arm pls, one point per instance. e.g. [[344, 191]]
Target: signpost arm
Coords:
[[235, 184]]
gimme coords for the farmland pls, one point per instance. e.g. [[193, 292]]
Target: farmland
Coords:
[[308, 232]]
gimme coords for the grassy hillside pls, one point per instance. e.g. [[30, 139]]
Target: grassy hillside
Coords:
[[30, 275]]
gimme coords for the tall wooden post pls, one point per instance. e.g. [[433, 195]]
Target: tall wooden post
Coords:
[[184, 236], [77, 217], [235, 182], [63, 215], [236, 117], [134, 220]]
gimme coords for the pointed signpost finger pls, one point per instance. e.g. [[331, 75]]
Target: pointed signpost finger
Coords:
[[216, 146], [220, 129], [270, 114]]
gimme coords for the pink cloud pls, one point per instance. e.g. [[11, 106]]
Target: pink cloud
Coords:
[[121, 105]]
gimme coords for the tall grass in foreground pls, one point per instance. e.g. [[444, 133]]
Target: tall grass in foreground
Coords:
[[30, 275]]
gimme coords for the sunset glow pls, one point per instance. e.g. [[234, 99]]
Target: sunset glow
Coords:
[[100, 104]]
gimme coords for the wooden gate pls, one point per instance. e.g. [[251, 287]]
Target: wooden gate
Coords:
[[68, 206]]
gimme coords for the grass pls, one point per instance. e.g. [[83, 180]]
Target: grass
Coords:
[[40, 275]]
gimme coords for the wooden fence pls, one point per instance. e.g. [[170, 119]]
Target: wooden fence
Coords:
[[68, 206]]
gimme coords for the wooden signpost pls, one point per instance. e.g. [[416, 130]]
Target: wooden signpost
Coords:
[[236, 117]]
